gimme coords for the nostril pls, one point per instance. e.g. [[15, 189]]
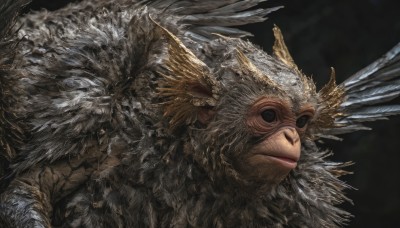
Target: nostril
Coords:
[[291, 135]]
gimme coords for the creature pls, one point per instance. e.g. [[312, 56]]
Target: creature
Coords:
[[159, 114]]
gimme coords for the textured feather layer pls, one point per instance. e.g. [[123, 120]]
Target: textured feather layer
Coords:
[[203, 19], [11, 129], [8, 11], [87, 81]]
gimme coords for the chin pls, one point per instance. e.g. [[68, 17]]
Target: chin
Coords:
[[266, 171]]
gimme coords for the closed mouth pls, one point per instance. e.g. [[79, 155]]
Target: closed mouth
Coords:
[[286, 162]]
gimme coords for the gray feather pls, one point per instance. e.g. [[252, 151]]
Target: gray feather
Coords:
[[367, 90], [348, 128], [206, 17], [376, 70], [201, 20], [373, 113], [373, 95], [229, 20], [206, 31]]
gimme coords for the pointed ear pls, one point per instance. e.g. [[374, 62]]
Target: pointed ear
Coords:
[[188, 89], [280, 50]]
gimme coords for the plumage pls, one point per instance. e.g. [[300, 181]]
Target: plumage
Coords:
[[11, 129], [375, 84], [136, 114]]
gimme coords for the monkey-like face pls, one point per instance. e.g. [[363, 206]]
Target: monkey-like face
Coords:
[[254, 109], [262, 114], [279, 130]]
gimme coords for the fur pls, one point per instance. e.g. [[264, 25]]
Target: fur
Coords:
[[100, 151]]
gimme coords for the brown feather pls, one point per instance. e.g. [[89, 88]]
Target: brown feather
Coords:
[[248, 68], [187, 85], [332, 96], [281, 52]]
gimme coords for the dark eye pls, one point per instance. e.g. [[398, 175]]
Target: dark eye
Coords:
[[268, 115], [302, 121]]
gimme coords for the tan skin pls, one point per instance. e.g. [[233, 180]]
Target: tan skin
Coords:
[[280, 128]]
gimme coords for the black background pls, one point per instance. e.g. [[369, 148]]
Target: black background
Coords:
[[348, 35]]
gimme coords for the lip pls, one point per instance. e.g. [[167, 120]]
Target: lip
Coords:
[[285, 162]]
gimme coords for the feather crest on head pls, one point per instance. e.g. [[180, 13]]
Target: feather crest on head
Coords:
[[331, 95], [248, 68]]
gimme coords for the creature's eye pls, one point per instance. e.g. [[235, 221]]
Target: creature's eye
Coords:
[[268, 115], [302, 121]]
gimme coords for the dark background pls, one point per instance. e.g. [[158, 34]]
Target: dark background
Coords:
[[348, 35]]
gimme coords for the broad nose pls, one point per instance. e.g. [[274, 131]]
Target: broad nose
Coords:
[[291, 135]]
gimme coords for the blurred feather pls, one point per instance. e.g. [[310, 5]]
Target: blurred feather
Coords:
[[376, 84], [8, 11], [381, 70], [372, 113], [373, 95], [204, 18]]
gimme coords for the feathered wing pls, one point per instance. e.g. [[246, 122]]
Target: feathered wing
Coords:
[[202, 20], [366, 93]]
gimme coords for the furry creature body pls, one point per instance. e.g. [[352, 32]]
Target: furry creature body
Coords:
[[135, 114]]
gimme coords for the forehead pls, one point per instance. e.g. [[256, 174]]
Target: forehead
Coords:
[[291, 85], [286, 79]]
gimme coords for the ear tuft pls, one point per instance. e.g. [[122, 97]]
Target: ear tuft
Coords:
[[281, 52], [332, 97], [187, 84]]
